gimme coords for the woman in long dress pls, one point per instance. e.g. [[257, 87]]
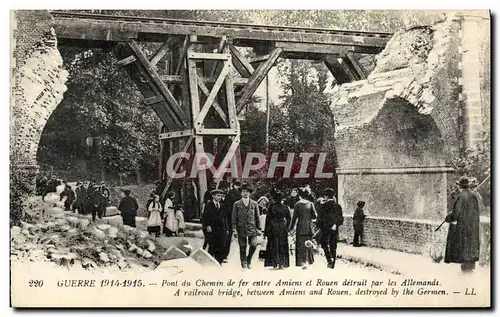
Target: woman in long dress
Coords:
[[276, 231], [303, 215], [155, 214], [170, 223]]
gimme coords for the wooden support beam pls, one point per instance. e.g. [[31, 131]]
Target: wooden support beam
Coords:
[[222, 44], [201, 131], [240, 62], [312, 48], [230, 100], [213, 94], [181, 56], [331, 62], [153, 100], [166, 94], [347, 69], [158, 55], [177, 79], [229, 156], [216, 105], [209, 56], [362, 73], [177, 165], [257, 78], [126, 61], [175, 134], [195, 111], [259, 59]]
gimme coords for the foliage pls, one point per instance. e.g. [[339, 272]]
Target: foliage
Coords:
[[101, 102]]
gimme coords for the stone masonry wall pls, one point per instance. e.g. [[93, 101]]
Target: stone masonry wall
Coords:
[[409, 235], [37, 87]]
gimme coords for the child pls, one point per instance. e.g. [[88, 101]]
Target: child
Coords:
[[358, 222]]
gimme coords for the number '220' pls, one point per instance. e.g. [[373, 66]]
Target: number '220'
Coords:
[[35, 283]]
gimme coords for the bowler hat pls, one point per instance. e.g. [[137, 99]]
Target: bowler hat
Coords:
[[237, 183], [360, 204], [216, 191], [246, 187], [463, 182], [329, 192], [127, 191]]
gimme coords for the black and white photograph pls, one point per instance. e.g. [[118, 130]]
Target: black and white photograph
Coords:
[[250, 158]]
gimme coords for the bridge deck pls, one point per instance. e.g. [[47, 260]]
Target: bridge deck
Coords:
[[97, 27]]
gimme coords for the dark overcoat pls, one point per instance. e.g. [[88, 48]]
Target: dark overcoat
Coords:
[[462, 244], [358, 220]]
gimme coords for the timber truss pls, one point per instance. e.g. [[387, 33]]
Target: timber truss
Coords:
[[204, 80]]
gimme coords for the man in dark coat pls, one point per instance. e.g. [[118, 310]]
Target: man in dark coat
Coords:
[[246, 225], [128, 208], [216, 225], [329, 219], [98, 203], [105, 193], [358, 223], [232, 196], [81, 193], [70, 197], [462, 244]]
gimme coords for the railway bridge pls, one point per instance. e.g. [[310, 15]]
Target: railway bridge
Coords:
[[398, 125]]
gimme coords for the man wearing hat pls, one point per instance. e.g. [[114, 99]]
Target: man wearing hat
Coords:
[[128, 208], [105, 192], [462, 243], [246, 225], [329, 219], [216, 226], [358, 223]]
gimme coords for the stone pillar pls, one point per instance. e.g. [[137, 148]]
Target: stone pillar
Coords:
[[470, 66]]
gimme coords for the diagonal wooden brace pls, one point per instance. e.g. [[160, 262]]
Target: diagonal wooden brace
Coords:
[[228, 157], [257, 77], [216, 105], [166, 94], [177, 165], [240, 63], [211, 97]]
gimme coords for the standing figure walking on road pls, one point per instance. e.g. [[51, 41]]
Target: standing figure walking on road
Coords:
[[246, 225], [330, 218], [216, 226], [303, 215], [462, 243]]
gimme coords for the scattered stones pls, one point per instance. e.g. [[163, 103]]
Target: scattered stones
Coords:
[[151, 246], [141, 223], [111, 211], [89, 264], [146, 254], [173, 253], [84, 223], [73, 220], [103, 257], [98, 233], [203, 258], [113, 232], [115, 221], [104, 227]]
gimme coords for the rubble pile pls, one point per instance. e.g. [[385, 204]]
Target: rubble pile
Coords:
[[69, 240]]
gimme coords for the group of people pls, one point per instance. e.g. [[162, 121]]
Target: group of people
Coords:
[[169, 216], [87, 198], [232, 213]]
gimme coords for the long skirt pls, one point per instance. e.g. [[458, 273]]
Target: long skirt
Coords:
[[154, 222], [129, 220], [277, 252], [303, 255]]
